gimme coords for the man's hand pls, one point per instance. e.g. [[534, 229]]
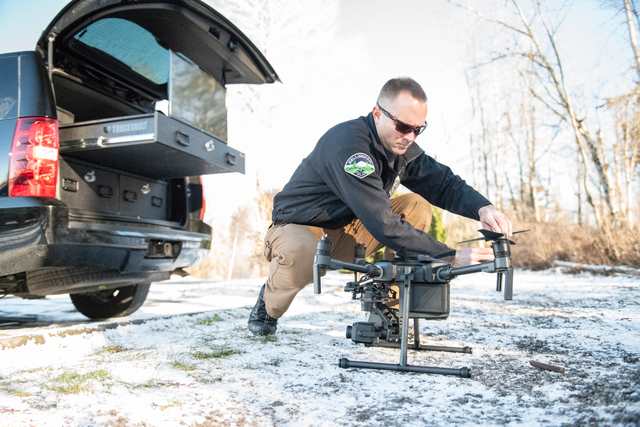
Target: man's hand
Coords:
[[471, 256], [493, 220]]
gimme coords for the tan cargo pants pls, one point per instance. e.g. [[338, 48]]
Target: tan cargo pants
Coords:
[[291, 248]]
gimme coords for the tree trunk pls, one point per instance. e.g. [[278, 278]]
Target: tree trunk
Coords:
[[233, 256], [579, 191], [600, 163], [632, 37], [531, 148]]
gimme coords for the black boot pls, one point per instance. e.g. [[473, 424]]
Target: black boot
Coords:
[[260, 323]]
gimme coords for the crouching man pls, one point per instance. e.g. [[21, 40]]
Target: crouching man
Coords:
[[343, 189]]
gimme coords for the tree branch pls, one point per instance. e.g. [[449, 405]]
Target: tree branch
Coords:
[[486, 18]]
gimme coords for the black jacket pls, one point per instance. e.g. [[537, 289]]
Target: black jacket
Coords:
[[336, 184]]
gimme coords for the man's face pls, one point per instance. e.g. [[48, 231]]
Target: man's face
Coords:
[[408, 110]]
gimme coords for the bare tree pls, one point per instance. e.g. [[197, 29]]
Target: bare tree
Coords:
[[629, 10], [485, 141], [626, 113], [536, 43], [502, 132], [632, 34], [626, 148], [527, 160], [249, 225]]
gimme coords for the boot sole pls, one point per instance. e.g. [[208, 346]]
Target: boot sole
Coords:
[[261, 329]]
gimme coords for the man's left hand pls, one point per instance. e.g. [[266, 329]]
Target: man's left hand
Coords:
[[493, 220]]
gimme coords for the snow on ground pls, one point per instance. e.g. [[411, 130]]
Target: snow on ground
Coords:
[[207, 370]]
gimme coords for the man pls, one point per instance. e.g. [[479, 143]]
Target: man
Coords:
[[343, 189]]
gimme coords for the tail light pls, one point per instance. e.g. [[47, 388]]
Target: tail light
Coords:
[[33, 171], [204, 200]]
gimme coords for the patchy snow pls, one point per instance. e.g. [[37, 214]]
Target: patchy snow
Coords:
[[207, 370]]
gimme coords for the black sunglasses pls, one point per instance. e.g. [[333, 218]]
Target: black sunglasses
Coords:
[[402, 127]]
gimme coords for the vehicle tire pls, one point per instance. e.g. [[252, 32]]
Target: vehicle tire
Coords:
[[117, 302]]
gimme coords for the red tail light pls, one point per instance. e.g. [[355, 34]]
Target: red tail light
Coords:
[[204, 201], [33, 171]]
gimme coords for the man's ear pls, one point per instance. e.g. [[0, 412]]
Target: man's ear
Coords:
[[376, 113]]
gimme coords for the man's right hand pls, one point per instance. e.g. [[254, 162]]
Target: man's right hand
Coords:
[[470, 256]]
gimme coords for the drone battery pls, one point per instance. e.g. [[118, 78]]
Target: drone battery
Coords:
[[429, 301]]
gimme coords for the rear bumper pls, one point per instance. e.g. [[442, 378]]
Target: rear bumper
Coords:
[[38, 233]]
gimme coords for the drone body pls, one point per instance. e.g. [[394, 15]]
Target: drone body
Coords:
[[422, 286]]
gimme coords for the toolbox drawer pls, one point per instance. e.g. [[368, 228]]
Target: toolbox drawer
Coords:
[[88, 188], [143, 199], [151, 145]]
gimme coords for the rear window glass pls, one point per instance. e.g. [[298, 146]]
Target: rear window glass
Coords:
[[130, 44], [197, 98]]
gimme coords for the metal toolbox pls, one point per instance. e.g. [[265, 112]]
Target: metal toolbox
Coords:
[[151, 145]]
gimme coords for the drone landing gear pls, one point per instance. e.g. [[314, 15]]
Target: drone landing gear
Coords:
[[462, 372], [404, 341]]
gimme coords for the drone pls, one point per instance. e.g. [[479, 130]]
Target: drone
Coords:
[[422, 285]]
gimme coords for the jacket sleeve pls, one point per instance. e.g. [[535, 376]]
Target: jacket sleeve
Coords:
[[442, 188], [367, 198]]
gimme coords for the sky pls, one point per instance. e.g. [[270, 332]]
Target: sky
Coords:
[[345, 52]]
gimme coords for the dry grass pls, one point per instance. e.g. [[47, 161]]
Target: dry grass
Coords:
[[568, 242], [560, 240]]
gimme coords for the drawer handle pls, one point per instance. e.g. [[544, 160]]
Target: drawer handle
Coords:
[[231, 159], [70, 185], [182, 138], [104, 191], [130, 196]]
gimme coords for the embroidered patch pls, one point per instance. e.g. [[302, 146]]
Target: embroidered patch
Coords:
[[359, 165]]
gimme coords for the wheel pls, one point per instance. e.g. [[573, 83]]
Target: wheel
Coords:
[[117, 302]]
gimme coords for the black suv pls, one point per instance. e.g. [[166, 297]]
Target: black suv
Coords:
[[105, 130]]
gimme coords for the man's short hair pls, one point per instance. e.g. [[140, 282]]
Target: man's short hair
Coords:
[[394, 87]]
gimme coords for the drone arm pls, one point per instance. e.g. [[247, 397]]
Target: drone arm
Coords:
[[333, 264], [323, 261], [499, 265], [448, 273]]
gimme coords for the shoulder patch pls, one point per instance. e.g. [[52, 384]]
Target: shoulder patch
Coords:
[[359, 165]]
